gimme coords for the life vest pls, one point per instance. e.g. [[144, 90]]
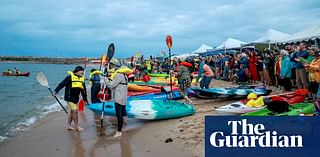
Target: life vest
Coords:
[[124, 70], [256, 103], [148, 64], [76, 81], [94, 73], [187, 64]]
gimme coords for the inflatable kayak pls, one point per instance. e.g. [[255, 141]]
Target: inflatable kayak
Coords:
[[240, 107], [236, 92], [294, 110], [15, 74], [148, 109], [157, 96]]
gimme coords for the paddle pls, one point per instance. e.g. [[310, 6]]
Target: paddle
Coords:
[[110, 54], [41, 78], [169, 44]]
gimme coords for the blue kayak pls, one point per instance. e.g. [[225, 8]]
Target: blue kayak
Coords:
[[148, 109], [158, 96], [235, 92]]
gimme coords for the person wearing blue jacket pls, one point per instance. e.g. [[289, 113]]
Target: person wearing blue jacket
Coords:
[[285, 70], [301, 75]]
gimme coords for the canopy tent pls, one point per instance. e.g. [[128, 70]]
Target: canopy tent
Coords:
[[311, 32], [184, 56], [203, 48], [230, 43], [271, 36]]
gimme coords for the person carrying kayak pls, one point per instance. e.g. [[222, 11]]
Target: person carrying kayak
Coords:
[[206, 75], [184, 77], [119, 93], [74, 85]]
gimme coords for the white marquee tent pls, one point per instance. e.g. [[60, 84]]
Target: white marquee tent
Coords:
[[271, 36], [311, 32], [230, 43], [201, 49]]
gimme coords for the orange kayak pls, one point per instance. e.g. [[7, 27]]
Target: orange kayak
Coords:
[[137, 88]]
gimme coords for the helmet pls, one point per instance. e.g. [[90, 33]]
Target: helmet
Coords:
[[252, 96], [115, 62]]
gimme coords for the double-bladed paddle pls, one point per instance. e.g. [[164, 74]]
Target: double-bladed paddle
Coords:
[[111, 50], [41, 78]]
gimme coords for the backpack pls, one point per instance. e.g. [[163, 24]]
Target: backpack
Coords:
[[278, 106]]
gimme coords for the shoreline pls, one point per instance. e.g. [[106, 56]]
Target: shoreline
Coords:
[[49, 136]]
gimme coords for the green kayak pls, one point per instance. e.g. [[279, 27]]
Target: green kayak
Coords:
[[294, 110], [158, 75]]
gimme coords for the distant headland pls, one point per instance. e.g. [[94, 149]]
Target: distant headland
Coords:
[[48, 60]]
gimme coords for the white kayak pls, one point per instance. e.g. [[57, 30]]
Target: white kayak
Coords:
[[236, 108]]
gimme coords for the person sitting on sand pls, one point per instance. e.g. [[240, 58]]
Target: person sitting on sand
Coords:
[[74, 85]]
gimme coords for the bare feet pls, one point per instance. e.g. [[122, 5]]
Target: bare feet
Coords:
[[70, 128], [79, 128]]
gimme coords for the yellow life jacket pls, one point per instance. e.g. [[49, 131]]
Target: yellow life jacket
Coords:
[[124, 70], [97, 72], [77, 82], [256, 103], [148, 63]]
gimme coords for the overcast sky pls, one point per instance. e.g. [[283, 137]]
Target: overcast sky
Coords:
[[85, 27]]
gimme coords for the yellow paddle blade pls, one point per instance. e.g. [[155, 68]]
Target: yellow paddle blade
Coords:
[[41, 78]]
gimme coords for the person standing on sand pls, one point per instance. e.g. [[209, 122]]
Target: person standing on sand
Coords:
[[74, 85], [119, 94], [94, 78]]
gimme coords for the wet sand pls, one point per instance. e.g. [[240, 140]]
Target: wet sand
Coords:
[[49, 137]]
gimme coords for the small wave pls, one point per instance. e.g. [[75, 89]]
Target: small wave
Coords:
[[24, 125], [2, 138], [28, 122]]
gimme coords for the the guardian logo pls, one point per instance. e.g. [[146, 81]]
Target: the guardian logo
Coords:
[[245, 135]]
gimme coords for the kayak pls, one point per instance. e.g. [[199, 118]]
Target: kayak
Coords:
[[131, 93], [157, 96], [15, 74], [148, 109], [138, 88], [294, 110], [163, 83], [235, 92], [240, 107], [236, 108], [158, 75]]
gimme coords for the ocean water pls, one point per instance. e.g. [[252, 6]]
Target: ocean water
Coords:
[[23, 100]]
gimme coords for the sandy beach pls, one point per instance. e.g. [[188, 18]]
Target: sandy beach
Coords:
[[48, 137]]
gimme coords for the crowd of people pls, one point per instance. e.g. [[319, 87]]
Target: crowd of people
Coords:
[[293, 66]]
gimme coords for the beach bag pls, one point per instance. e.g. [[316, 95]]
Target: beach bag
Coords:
[[278, 106]]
